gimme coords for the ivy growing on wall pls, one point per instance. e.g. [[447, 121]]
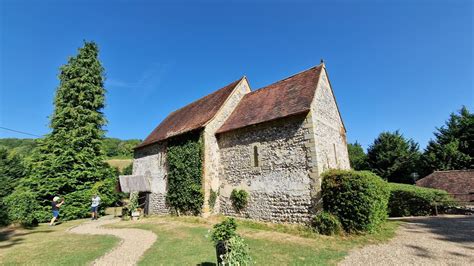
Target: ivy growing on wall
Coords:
[[184, 157]]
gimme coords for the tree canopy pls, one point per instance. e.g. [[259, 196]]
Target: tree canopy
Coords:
[[453, 145], [357, 156], [393, 157], [70, 162]]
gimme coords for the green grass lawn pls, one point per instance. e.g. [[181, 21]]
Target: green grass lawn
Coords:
[[183, 241], [44, 245]]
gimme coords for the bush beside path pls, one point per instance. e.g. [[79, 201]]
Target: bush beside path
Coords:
[[134, 242]]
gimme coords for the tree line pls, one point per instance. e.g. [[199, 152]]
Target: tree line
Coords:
[[399, 159], [113, 147]]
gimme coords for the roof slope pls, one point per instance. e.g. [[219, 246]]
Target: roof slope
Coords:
[[454, 181], [286, 97], [193, 116]]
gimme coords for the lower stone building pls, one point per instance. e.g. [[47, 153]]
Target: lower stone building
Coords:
[[273, 142]]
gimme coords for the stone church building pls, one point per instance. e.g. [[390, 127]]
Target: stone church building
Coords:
[[273, 142]]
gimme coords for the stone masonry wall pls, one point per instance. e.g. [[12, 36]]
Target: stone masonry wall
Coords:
[[211, 149], [280, 187], [329, 132], [150, 161]]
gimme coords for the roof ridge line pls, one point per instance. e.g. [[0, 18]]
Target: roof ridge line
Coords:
[[281, 80], [204, 96]]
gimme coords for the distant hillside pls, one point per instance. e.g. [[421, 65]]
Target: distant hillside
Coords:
[[18, 146], [113, 147]]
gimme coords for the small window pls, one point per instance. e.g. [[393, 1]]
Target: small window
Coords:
[[335, 153], [255, 156]]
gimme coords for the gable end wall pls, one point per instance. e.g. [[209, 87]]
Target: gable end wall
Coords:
[[329, 132], [211, 148]]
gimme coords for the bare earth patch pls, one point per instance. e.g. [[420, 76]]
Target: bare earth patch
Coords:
[[442, 240]]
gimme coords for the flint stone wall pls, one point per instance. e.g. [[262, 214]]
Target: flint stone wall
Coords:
[[329, 132], [279, 188], [150, 161]]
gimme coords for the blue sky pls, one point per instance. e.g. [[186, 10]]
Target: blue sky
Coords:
[[393, 64]]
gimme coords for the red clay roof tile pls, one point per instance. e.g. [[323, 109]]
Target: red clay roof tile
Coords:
[[454, 182], [290, 96], [191, 117]]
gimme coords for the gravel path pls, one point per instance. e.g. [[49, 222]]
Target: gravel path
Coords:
[[442, 240], [134, 242]]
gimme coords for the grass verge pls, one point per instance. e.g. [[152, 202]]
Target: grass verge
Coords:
[[183, 241], [44, 245]]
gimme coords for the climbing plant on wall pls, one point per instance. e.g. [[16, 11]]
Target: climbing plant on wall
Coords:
[[184, 157]]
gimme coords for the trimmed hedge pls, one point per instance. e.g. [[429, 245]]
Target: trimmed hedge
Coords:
[[358, 198], [410, 200], [326, 224]]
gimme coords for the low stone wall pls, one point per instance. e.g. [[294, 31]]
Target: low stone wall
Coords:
[[279, 184]]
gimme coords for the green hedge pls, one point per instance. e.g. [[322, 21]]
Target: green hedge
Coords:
[[22, 206], [358, 198], [326, 223], [410, 200]]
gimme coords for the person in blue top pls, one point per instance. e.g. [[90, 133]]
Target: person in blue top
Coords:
[[55, 205], [95, 206]]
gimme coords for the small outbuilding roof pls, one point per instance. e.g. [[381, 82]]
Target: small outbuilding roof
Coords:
[[287, 97], [453, 181], [191, 117], [134, 183]]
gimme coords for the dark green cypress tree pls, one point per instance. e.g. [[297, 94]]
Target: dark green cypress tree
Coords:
[[69, 161], [453, 146], [394, 158]]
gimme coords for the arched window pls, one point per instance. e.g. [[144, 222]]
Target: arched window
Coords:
[[255, 156]]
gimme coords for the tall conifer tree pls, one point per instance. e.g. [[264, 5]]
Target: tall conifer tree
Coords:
[[453, 146], [69, 161]]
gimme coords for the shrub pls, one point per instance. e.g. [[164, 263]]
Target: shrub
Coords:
[[239, 198], [238, 252], [133, 205], [230, 247], [326, 224], [212, 199], [410, 200], [358, 198], [224, 231], [22, 205]]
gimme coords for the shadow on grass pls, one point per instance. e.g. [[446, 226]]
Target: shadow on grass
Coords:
[[207, 264], [10, 237], [457, 229]]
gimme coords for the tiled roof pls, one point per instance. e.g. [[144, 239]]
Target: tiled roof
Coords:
[[454, 182], [284, 98], [193, 116]]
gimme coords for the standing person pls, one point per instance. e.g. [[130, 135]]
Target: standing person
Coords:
[[55, 205], [95, 206]]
